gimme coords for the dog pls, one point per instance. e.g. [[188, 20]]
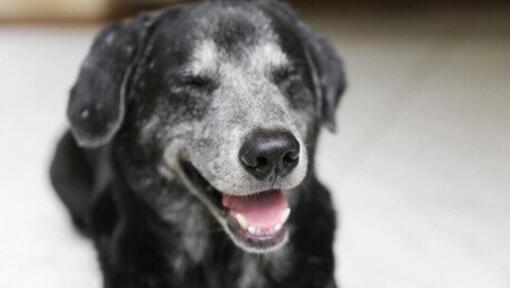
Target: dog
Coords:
[[190, 155]]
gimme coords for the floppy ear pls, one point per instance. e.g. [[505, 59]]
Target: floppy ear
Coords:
[[328, 77], [97, 100], [326, 67]]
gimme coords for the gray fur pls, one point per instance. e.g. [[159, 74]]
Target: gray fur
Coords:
[[245, 100]]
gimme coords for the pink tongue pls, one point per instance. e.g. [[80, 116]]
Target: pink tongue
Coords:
[[262, 210]]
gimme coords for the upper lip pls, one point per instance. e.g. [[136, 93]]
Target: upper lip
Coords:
[[194, 174]]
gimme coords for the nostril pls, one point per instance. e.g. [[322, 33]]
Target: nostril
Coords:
[[290, 157], [261, 162], [258, 165]]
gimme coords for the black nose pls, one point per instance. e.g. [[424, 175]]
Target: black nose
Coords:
[[268, 153]]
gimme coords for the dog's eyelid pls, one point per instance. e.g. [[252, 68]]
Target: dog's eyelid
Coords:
[[283, 73], [198, 81]]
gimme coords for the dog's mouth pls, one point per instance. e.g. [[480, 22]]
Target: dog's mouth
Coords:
[[255, 222]]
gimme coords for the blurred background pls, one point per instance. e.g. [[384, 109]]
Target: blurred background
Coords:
[[419, 169]]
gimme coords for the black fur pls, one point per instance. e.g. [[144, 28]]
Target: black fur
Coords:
[[110, 181]]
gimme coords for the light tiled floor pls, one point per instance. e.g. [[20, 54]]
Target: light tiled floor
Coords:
[[419, 169]]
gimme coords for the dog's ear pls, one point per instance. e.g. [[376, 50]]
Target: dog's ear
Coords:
[[326, 67], [97, 100], [328, 76]]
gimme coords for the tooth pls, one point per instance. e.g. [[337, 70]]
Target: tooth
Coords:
[[252, 229], [278, 227], [241, 220], [285, 215]]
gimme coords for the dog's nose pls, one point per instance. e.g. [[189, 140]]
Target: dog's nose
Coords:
[[269, 152]]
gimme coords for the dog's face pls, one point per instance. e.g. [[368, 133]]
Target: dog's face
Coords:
[[226, 96]]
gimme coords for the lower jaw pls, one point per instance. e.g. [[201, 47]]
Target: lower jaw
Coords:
[[257, 246], [256, 243]]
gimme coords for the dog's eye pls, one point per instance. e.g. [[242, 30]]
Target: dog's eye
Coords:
[[198, 82], [284, 74]]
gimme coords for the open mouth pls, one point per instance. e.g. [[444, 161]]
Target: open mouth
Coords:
[[256, 222]]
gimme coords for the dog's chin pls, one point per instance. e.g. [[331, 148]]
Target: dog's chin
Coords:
[[257, 222]]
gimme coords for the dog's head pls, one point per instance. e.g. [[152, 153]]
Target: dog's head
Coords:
[[223, 97]]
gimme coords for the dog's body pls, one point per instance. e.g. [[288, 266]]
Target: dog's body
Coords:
[[163, 105]]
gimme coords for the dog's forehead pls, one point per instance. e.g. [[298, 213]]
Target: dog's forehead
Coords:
[[242, 36], [207, 58]]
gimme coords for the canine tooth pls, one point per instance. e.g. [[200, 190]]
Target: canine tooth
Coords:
[[240, 219], [285, 215], [252, 229], [277, 227]]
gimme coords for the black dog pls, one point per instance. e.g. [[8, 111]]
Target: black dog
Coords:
[[191, 151]]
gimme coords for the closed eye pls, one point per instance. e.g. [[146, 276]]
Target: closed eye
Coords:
[[284, 74], [198, 82], [291, 82]]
